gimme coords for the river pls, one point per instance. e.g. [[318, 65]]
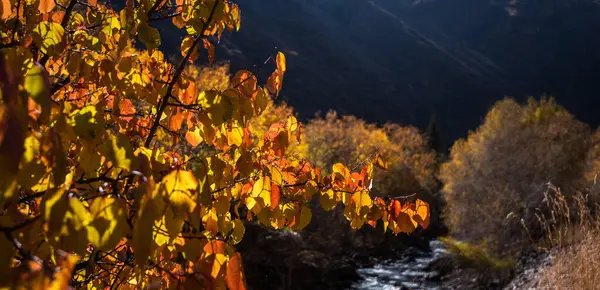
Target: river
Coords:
[[408, 273]]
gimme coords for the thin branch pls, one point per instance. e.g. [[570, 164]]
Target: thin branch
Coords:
[[27, 198], [114, 283], [63, 23], [165, 17], [164, 101], [154, 7], [19, 226], [12, 40]]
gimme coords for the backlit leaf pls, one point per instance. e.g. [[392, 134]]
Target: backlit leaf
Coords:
[[49, 37], [45, 6], [235, 273]]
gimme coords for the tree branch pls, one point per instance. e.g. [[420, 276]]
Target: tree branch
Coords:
[[63, 23], [165, 99], [168, 16], [12, 39], [19, 226]]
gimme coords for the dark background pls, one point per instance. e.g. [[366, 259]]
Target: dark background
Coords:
[[404, 61]]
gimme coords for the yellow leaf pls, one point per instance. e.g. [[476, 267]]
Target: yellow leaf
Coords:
[[310, 189], [261, 190], [219, 261], [149, 36], [276, 175], [363, 202], [46, 6], [210, 221], [62, 279], [305, 216], [55, 205], [342, 170], [238, 231], [178, 186], [121, 152], [37, 85], [281, 62], [109, 217], [225, 224], [49, 37], [235, 135], [327, 199], [422, 215], [143, 229], [186, 45], [222, 204]]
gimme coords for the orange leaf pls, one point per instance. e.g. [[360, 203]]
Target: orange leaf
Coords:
[[274, 83], [6, 9], [395, 208], [46, 6], [193, 137], [57, 16], [405, 223], [275, 195], [274, 131], [126, 109], [422, 213], [210, 48], [215, 247], [93, 2], [235, 273]]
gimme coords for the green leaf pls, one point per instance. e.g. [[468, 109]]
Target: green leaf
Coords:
[[48, 37], [149, 36], [109, 219], [37, 85], [121, 152]]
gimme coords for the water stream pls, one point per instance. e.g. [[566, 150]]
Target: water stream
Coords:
[[408, 273]]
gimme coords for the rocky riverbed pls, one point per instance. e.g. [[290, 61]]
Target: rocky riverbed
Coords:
[[411, 272], [435, 270]]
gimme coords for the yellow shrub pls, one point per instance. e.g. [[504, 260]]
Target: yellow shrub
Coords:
[[504, 167], [350, 140]]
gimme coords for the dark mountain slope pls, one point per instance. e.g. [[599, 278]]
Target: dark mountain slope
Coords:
[[402, 61]]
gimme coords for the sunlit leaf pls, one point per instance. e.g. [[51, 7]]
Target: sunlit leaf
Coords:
[[49, 37]]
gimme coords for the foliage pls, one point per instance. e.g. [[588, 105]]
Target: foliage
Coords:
[[273, 113], [502, 168], [122, 170], [349, 140]]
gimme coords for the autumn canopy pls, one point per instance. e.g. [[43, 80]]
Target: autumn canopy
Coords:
[[119, 169]]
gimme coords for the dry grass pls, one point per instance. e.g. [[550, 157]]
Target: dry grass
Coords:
[[573, 233]]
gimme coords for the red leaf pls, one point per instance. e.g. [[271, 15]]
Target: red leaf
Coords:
[[275, 195], [395, 209], [235, 273]]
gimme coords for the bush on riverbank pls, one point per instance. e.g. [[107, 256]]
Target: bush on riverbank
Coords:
[[495, 179]]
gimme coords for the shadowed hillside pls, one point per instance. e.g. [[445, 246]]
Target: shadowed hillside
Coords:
[[402, 61]]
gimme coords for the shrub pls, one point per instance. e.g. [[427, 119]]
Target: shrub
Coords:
[[503, 168], [350, 140], [477, 256]]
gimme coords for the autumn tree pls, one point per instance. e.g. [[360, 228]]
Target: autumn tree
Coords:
[[495, 179], [102, 185], [350, 140]]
